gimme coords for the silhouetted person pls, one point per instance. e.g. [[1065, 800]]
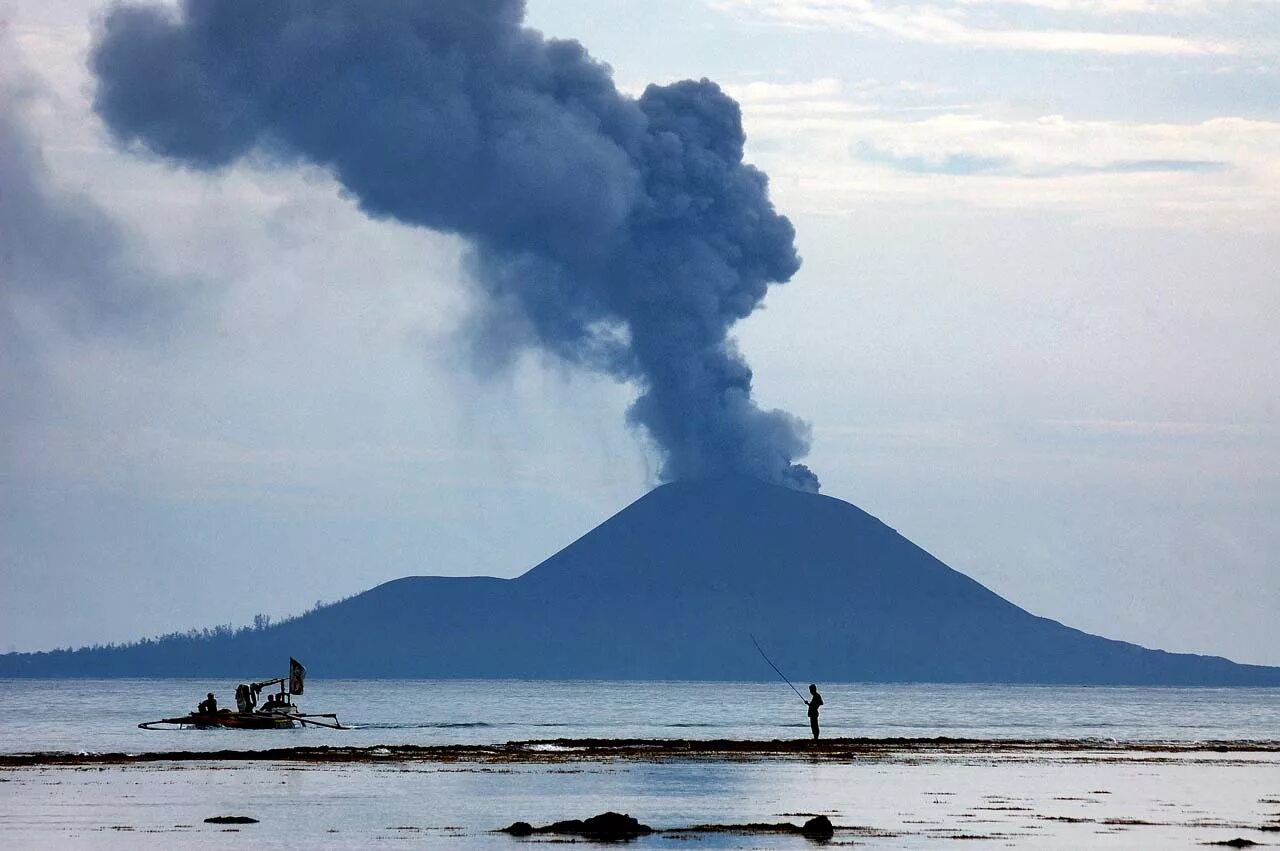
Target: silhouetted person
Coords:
[[208, 706], [270, 704], [244, 698], [813, 703]]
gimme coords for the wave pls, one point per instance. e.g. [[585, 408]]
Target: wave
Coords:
[[432, 725], [451, 725], [494, 725]]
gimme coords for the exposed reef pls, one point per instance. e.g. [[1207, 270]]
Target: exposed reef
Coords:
[[546, 751]]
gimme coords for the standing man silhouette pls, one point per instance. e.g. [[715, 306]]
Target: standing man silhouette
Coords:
[[814, 701]]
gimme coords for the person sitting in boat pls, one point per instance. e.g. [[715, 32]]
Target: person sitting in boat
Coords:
[[208, 706], [271, 703]]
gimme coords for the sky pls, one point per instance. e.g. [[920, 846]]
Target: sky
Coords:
[[1034, 329]]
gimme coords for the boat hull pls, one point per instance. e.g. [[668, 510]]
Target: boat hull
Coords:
[[233, 721]]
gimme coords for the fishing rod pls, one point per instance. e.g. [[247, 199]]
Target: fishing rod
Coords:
[[775, 668]]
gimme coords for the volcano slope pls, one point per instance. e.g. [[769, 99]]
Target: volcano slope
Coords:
[[670, 588]]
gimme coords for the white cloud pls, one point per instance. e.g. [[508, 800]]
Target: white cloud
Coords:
[[1111, 7], [765, 92], [828, 148], [950, 24], [831, 96], [1157, 429]]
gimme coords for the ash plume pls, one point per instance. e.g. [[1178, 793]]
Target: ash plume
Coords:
[[622, 234]]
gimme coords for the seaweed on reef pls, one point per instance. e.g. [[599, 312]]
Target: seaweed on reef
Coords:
[[551, 751]]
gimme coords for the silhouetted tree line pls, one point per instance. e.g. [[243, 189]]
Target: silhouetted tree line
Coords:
[[265, 642]]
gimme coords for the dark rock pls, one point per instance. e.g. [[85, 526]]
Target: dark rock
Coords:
[[818, 827], [754, 827], [231, 820], [606, 827], [1235, 843], [615, 824]]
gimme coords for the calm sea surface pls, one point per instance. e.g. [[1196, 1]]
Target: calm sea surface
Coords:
[[102, 715], [1107, 798]]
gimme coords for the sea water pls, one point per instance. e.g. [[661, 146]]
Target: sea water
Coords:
[[102, 715], [1036, 799]]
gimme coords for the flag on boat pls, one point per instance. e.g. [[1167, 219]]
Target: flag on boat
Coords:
[[296, 675]]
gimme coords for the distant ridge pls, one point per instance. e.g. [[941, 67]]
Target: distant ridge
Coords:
[[669, 588]]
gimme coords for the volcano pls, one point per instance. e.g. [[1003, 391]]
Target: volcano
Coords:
[[671, 588]]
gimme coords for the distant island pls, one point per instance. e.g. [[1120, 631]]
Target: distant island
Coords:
[[671, 588]]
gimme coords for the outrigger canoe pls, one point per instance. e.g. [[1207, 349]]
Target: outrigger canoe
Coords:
[[279, 712], [231, 720]]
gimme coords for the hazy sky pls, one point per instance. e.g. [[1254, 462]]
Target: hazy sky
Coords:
[[1035, 329]]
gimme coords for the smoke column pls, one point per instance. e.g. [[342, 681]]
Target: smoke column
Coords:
[[625, 235]]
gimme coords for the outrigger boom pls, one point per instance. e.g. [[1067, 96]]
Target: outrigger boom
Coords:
[[235, 721], [279, 712]]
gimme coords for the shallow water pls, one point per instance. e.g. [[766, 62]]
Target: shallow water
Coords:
[[1046, 802], [102, 715], [1042, 798]]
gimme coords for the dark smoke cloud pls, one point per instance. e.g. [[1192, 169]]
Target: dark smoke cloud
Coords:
[[625, 235]]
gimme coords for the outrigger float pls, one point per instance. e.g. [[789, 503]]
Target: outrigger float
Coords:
[[279, 712]]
